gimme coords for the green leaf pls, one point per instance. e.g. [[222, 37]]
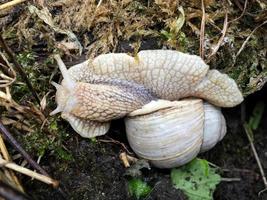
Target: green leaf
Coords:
[[176, 25], [167, 35], [138, 188], [256, 116], [196, 179]]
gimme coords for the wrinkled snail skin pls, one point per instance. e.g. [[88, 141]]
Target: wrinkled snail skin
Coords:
[[175, 132], [168, 74], [103, 103], [89, 108]]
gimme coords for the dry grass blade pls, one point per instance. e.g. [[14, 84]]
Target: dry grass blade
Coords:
[[230, 179], [214, 51], [10, 4], [28, 172], [123, 158], [202, 31], [99, 3], [8, 102], [7, 80], [17, 124]]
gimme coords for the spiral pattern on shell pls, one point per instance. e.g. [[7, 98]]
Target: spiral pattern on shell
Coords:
[[175, 132]]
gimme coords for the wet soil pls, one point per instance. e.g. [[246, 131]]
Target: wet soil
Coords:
[[97, 172]]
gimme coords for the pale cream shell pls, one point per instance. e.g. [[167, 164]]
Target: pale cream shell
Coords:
[[168, 136], [214, 127]]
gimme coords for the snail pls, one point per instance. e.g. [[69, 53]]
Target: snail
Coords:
[[147, 90], [165, 74]]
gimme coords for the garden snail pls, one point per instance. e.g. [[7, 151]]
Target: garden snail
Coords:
[[112, 86]]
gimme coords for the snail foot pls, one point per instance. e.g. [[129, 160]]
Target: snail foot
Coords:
[[86, 128]]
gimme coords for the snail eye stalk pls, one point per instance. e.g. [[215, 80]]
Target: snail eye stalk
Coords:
[[70, 83]]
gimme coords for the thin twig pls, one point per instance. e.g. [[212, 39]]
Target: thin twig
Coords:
[[111, 140], [10, 4], [17, 146], [249, 132], [19, 68], [99, 3], [7, 157], [225, 26], [28, 172], [202, 31], [9, 193], [230, 179], [247, 39], [242, 14], [239, 170], [262, 191]]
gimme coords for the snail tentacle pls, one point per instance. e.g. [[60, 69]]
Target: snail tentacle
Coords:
[[70, 83]]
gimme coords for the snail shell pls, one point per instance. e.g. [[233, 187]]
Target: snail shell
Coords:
[[214, 127], [170, 134]]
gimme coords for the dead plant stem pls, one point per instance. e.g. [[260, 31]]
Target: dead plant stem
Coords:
[[19, 68], [225, 26], [248, 132], [202, 31], [10, 4], [7, 157], [18, 147], [25, 171], [247, 39], [242, 14]]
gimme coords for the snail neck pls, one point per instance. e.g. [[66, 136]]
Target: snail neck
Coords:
[[65, 99]]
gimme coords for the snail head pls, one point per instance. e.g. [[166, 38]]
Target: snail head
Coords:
[[64, 95], [101, 101]]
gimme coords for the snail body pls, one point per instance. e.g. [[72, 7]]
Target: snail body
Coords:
[[89, 108], [168, 74]]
